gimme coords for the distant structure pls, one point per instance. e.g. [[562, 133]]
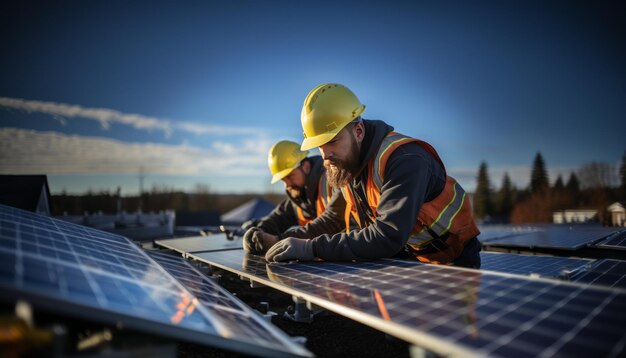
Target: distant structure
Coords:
[[136, 226], [253, 209], [617, 211], [575, 216], [27, 192]]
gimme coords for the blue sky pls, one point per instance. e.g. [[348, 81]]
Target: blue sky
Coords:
[[196, 92]]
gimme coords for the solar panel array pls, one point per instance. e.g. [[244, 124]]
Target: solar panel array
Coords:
[[452, 310], [213, 242], [544, 266], [551, 236], [90, 274]]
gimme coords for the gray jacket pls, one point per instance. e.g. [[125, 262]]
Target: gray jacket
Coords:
[[412, 177]]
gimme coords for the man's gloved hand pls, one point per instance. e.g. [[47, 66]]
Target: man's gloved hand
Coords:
[[257, 241], [291, 249], [248, 244]]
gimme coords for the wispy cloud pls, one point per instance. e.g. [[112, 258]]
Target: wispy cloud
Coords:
[[106, 117], [25, 151]]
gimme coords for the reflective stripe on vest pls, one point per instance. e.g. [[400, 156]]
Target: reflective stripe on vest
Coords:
[[392, 141], [443, 222], [350, 208], [389, 142]]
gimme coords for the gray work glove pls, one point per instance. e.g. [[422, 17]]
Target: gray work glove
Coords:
[[248, 245], [291, 249], [256, 241]]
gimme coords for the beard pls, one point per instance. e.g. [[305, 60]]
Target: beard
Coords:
[[340, 172], [294, 192]]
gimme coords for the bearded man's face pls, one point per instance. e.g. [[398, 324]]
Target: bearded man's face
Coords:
[[341, 157]]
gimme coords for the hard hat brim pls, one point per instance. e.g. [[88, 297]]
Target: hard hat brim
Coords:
[[283, 173], [318, 140]]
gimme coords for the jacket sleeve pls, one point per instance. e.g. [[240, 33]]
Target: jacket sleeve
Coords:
[[412, 176], [280, 219], [330, 222]]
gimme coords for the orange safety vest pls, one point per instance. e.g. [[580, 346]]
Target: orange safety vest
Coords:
[[323, 195], [450, 213]]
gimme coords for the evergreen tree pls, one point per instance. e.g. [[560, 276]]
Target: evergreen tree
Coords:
[[539, 176], [505, 197], [558, 184], [482, 196], [573, 186], [560, 199], [572, 190]]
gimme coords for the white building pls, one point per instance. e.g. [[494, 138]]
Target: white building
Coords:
[[618, 214], [574, 216]]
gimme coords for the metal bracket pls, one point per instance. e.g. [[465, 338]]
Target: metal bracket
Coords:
[[266, 314], [302, 311]]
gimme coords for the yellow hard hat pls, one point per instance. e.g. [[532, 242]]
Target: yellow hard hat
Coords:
[[284, 157], [327, 109]]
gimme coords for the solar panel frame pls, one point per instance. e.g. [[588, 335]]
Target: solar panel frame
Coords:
[[432, 316], [88, 274], [213, 242]]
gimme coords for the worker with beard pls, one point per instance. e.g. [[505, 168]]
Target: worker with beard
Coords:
[[308, 195], [396, 188]]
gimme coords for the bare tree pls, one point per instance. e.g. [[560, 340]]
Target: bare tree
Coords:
[[597, 175]]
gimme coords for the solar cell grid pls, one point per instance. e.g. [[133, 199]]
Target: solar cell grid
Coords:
[[445, 309], [82, 272], [239, 319], [198, 284], [606, 272]]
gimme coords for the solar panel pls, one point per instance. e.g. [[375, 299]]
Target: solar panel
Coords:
[[82, 272], [449, 310], [240, 320], [605, 272], [545, 266], [213, 242], [616, 241], [549, 236]]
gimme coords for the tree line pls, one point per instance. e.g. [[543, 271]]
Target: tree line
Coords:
[[159, 198], [593, 186]]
